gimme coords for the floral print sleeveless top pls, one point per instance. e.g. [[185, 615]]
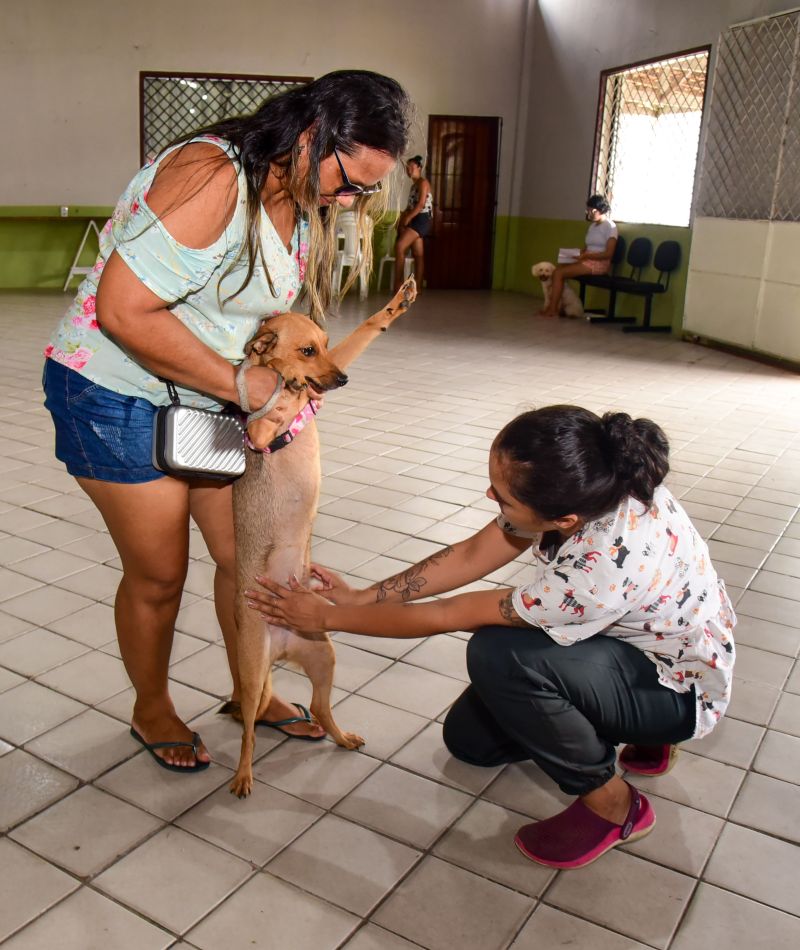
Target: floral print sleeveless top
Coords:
[[193, 282]]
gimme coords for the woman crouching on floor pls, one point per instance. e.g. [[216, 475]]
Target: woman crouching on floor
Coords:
[[623, 636]]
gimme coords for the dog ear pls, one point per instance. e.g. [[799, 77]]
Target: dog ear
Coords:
[[264, 342]]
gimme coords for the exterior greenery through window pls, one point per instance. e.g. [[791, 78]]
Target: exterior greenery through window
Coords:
[[646, 142]]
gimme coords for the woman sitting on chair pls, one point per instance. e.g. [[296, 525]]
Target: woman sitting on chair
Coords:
[[596, 256], [413, 224]]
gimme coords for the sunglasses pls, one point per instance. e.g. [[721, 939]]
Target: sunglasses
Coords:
[[349, 189]]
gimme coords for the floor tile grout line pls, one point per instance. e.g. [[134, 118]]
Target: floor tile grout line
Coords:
[[761, 386]]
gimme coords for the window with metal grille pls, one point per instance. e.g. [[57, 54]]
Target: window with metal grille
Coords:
[[752, 149], [174, 104], [648, 131]]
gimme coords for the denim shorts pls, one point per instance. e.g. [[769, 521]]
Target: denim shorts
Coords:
[[100, 434], [421, 223]]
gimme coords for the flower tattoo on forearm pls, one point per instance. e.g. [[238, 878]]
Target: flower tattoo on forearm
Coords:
[[410, 582]]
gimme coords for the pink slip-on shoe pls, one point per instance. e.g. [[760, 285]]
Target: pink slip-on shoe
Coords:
[[648, 759], [577, 836]]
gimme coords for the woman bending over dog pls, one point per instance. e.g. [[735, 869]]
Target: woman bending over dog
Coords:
[[594, 258], [221, 230], [623, 636]]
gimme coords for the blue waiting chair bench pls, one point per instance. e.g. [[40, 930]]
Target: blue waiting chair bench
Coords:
[[638, 257], [602, 280], [665, 261]]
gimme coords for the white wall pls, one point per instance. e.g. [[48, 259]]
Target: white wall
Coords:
[[573, 41], [69, 72], [744, 284]]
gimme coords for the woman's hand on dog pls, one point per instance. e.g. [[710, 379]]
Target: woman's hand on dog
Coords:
[[333, 586], [295, 607], [261, 383]]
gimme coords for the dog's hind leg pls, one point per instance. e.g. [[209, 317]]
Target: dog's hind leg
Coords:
[[318, 659], [266, 693], [254, 675]]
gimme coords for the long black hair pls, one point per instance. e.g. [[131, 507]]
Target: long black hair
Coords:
[[562, 460], [347, 109]]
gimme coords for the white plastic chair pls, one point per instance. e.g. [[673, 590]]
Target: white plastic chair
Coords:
[[349, 253], [408, 267], [75, 270]]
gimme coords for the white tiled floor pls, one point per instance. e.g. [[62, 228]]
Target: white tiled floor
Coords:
[[397, 845]]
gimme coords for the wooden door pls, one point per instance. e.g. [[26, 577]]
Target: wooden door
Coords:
[[462, 170]]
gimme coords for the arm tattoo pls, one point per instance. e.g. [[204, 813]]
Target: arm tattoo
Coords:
[[410, 582], [508, 613]]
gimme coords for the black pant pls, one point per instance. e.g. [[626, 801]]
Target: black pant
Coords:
[[564, 707]]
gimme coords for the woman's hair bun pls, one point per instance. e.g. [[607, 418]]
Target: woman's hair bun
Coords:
[[620, 430], [638, 452], [417, 160]]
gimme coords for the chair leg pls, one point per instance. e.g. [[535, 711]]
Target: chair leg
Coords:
[[338, 268], [384, 261], [611, 316], [646, 326]]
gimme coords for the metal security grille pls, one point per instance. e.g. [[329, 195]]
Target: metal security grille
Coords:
[[647, 136], [752, 152], [174, 104]]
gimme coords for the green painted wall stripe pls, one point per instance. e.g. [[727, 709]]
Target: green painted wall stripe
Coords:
[[54, 211], [37, 246]]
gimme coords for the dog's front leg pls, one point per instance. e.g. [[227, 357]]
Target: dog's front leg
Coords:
[[353, 345]]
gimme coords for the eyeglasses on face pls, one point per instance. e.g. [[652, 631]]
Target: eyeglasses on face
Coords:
[[349, 189]]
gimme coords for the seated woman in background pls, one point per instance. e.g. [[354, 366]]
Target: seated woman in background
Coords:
[[594, 258], [624, 634], [414, 224]]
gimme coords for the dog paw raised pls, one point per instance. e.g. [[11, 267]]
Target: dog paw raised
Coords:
[[403, 299]]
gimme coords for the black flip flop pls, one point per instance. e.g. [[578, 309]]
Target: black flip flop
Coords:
[[151, 746], [306, 717], [231, 707]]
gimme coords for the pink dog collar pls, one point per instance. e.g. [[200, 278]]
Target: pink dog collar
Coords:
[[296, 426]]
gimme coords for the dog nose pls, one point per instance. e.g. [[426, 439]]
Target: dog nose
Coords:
[[341, 379]]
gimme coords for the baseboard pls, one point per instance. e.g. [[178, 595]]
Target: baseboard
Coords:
[[791, 366]]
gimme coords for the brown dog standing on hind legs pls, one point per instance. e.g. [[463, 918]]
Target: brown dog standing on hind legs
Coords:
[[274, 505]]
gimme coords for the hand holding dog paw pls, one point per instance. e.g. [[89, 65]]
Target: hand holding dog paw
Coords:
[[333, 586]]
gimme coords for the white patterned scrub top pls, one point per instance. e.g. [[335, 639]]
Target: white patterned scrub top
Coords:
[[644, 576], [193, 282]]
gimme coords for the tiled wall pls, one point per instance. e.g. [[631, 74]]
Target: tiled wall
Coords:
[[744, 284]]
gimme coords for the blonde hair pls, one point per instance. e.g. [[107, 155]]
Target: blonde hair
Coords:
[[323, 241]]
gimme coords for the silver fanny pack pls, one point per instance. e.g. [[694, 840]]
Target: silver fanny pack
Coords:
[[197, 443]]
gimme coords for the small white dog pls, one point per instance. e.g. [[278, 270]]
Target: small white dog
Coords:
[[571, 305]]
